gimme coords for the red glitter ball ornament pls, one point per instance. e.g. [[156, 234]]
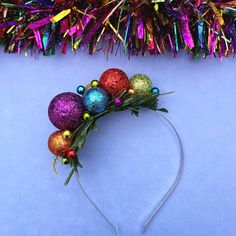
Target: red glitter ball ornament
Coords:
[[113, 81]]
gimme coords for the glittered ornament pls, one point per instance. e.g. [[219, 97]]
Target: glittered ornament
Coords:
[[118, 101], [94, 83], [155, 90], [58, 145], [66, 111], [80, 89], [67, 134], [141, 84], [114, 81], [86, 116], [71, 154], [130, 91], [95, 100], [65, 160]]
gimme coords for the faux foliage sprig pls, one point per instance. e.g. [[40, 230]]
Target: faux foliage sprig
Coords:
[[132, 103]]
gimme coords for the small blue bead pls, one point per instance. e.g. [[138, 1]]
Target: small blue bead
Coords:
[[80, 89], [155, 90]]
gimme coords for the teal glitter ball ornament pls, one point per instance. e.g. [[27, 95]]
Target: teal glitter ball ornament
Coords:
[[141, 84], [155, 90], [95, 100], [80, 89]]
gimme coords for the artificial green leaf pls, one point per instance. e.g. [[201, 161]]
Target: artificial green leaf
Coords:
[[134, 111], [94, 127], [69, 177], [54, 165], [79, 164], [79, 141], [163, 110]]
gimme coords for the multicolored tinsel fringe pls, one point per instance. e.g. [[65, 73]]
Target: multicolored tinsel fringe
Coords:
[[136, 26]]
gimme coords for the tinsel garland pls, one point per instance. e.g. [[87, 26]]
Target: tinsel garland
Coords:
[[136, 27]]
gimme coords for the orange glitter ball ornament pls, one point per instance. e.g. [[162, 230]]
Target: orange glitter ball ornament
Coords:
[[58, 145]]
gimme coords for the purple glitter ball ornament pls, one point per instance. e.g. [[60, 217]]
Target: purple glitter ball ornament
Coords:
[[66, 110]]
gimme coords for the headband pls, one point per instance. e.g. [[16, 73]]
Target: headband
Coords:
[[137, 27], [75, 115]]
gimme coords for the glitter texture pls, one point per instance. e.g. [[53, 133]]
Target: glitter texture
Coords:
[[118, 101], [95, 100], [113, 81], [57, 144], [66, 111], [141, 84]]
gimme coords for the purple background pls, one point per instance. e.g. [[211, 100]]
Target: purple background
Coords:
[[130, 162]]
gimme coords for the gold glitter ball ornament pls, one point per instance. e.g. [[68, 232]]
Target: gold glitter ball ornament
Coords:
[[67, 134], [58, 145], [141, 84]]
